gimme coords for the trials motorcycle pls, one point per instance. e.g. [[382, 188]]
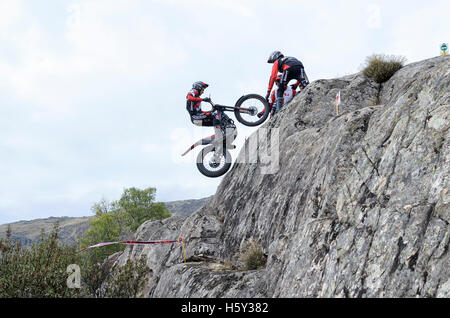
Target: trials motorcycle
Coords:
[[215, 160]]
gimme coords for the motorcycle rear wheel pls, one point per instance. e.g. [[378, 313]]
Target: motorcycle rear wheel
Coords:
[[212, 169]]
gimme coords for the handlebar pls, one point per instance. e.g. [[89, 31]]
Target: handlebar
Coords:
[[210, 101], [216, 106]]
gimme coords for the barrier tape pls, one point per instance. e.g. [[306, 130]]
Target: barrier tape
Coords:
[[179, 240]]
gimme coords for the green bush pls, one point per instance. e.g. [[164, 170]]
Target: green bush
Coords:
[[38, 271], [252, 256], [380, 67], [128, 280], [41, 271]]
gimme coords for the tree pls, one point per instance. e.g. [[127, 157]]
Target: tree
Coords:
[[138, 206], [116, 220], [107, 226]]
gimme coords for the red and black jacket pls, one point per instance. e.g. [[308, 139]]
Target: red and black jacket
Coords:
[[193, 101], [280, 65]]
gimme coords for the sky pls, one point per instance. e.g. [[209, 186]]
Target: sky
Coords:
[[92, 92]]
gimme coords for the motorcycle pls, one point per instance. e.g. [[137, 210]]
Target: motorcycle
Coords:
[[215, 160]]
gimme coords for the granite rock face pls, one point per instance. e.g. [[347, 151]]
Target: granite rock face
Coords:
[[358, 205]]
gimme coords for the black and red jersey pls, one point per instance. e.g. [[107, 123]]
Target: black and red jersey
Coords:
[[193, 101], [280, 65]]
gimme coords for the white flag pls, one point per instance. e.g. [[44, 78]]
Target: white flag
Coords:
[[338, 98]]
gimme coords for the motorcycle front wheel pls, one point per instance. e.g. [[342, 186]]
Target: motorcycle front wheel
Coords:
[[248, 107], [211, 164]]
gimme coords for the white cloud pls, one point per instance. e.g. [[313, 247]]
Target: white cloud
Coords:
[[110, 36], [418, 34], [234, 6], [374, 16], [103, 41], [10, 12]]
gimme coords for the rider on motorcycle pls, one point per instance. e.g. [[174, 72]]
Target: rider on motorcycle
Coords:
[[220, 122], [291, 68]]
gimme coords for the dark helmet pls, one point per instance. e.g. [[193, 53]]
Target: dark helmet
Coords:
[[199, 85], [274, 56]]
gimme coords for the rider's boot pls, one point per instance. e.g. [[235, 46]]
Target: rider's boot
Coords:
[[277, 106], [304, 83]]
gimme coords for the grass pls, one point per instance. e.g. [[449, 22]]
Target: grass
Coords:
[[252, 256], [381, 67]]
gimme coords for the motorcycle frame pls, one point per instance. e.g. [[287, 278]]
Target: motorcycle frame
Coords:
[[217, 141]]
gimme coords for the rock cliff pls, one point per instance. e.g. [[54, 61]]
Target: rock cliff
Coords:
[[358, 205]]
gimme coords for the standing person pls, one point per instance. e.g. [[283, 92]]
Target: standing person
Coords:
[[289, 94], [291, 68]]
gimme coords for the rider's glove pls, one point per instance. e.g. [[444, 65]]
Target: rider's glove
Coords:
[[206, 99]]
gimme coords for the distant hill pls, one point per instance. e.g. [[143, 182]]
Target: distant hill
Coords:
[[72, 228], [186, 207], [27, 232]]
